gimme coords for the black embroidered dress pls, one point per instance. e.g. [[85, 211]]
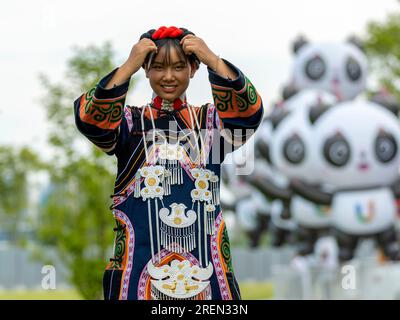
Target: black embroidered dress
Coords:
[[171, 240]]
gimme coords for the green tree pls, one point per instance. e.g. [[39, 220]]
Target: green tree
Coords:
[[15, 166], [383, 49], [75, 219]]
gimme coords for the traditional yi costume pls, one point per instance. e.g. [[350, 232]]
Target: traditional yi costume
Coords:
[[171, 240]]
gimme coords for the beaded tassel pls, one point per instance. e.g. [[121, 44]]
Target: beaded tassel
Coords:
[[137, 185], [177, 239], [181, 175], [199, 232], [176, 172], [158, 231], [215, 193], [205, 235], [211, 222], [150, 229], [166, 183]]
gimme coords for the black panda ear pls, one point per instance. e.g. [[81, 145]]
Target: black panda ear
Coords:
[[317, 111], [387, 100], [288, 92], [276, 116], [357, 42], [299, 42]]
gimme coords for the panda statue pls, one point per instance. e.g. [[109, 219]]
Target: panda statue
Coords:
[[252, 209], [357, 144], [273, 187], [339, 68], [290, 153]]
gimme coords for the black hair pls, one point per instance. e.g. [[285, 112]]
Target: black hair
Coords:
[[169, 43]]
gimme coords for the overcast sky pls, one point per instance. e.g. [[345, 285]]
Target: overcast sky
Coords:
[[37, 36]]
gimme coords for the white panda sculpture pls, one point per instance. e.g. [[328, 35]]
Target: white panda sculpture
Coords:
[[339, 68], [292, 154], [290, 142], [288, 150], [274, 188], [359, 158], [251, 207]]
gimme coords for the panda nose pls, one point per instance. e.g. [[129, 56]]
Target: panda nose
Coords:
[[336, 87], [363, 154]]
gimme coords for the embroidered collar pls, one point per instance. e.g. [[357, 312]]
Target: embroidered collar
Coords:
[[168, 106]]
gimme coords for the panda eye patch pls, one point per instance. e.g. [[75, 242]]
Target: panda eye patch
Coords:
[[353, 69], [385, 147], [294, 150], [315, 68], [337, 151]]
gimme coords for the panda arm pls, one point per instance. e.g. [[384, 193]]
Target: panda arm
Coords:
[[228, 206], [311, 193], [263, 149], [268, 188]]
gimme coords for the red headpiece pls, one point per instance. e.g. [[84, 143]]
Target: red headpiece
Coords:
[[164, 32]]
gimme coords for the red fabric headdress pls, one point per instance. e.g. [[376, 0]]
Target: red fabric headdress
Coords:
[[164, 32]]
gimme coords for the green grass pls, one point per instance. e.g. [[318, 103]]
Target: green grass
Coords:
[[39, 295], [249, 291], [256, 290]]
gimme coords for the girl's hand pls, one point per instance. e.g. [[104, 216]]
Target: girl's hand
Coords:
[[134, 62], [138, 54], [192, 44]]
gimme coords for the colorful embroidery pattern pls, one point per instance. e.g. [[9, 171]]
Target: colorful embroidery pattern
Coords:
[[119, 246], [242, 104], [226, 250], [103, 113], [223, 99], [128, 117], [220, 269], [231, 103], [128, 261], [250, 92]]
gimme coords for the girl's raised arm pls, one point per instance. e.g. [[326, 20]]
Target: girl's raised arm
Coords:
[[99, 114], [134, 62]]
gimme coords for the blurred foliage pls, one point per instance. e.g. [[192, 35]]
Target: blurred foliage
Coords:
[[382, 46], [84, 70], [15, 167], [75, 219]]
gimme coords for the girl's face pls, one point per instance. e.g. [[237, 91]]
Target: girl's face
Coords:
[[169, 78]]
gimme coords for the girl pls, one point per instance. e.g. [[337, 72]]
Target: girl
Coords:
[[171, 241]]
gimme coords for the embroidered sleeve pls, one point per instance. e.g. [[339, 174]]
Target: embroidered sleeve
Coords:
[[238, 105], [100, 115]]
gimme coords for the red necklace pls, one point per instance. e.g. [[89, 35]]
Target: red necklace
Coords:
[[169, 106]]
